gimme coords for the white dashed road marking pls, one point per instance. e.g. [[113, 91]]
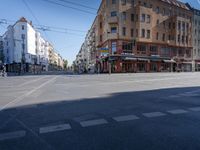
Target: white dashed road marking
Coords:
[[125, 118], [55, 128], [154, 114], [194, 108], [177, 111], [93, 122], [12, 135]]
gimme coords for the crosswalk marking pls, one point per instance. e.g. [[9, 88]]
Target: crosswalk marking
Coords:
[[125, 118], [55, 128], [154, 114], [194, 108], [177, 111], [93, 122], [12, 135]]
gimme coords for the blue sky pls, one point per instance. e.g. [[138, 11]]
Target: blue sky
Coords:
[[54, 15]]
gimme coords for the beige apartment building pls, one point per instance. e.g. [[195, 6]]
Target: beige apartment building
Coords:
[[143, 36]]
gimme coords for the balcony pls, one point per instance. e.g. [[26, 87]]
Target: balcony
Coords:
[[113, 20], [112, 36]]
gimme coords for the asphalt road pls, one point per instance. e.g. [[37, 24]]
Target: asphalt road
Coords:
[[158, 111]]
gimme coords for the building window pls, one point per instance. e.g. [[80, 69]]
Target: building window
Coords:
[[100, 24], [163, 38], [179, 38], [133, 2], [132, 17], [132, 32], [123, 2], [124, 31], [114, 1], [164, 24], [163, 13], [187, 39], [157, 36], [183, 39], [113, 14], [169, 25], [179, 25], [127, 47], [123, 15], [187, 27], [183, 26], [142, 48], [153, 49], [169, 37], [23, 46], [114, 47], [142, 19], [143, 33], [148, 34], [174, 25], [23, 36], [148, 18], [101, 39], [113, 29], [22, 27], [136, 32], [158, 22], [157, 10]]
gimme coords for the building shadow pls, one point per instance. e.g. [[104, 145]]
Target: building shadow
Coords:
[[73, 112]]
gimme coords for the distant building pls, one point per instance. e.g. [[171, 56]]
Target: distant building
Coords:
[[196, 37], [141, 36], [1, 50], [25, 48]]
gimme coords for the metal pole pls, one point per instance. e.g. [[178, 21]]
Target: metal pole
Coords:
[[109, 65]]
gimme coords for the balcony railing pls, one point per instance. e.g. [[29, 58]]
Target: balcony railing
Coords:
[[113, 20]]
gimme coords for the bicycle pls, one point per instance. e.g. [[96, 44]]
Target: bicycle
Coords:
[[3, 74]]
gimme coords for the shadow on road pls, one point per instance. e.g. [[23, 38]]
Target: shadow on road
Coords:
[[170, 133]]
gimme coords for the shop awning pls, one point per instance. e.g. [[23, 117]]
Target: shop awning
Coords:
[[143, 59], [157, 60], [169, 61], [130, 58]]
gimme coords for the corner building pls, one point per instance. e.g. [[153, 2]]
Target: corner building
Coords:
[[143, 36]]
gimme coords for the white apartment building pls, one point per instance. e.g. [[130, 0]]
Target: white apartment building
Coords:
[[23, 44], [19, 40]]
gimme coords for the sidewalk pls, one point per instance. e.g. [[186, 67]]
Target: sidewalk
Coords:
[[40, 73]]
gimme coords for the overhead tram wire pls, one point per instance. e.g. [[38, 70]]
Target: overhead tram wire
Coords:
[[47, 28], [77, 9], [77, 4], [30, 10], [6, 21]]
